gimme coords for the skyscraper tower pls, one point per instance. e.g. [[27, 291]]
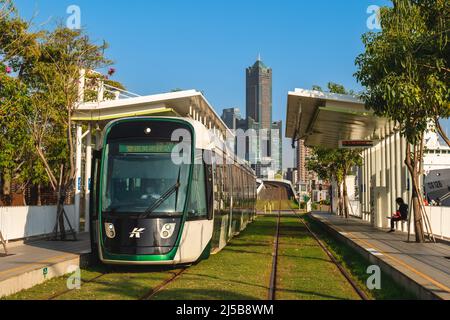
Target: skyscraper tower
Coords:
[[259, 94]]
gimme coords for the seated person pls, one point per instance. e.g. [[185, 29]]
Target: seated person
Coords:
[[400, 215]]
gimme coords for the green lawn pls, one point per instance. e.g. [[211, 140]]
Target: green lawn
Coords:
[[357, 266], [304, 269], [240, 271], [51, 287]]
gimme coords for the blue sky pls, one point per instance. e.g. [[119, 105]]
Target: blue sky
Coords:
[[160, 45]]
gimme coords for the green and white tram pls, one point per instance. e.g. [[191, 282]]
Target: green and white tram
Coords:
[[149, 206]]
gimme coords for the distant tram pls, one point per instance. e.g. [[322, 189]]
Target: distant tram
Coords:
[[147, 209]]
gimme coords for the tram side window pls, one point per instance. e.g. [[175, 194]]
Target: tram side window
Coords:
[[197, 209]]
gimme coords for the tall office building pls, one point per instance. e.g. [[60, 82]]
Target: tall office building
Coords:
[[266, 151], [277, 146], [259, 94], [231, 117]]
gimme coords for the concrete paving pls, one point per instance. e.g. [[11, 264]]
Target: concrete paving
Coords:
[[424, 268], [32, 263]]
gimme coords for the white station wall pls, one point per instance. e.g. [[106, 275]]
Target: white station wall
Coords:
[[24, 222]]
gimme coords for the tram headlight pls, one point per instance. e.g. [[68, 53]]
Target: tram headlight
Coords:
[[167, 230], [110, 230]]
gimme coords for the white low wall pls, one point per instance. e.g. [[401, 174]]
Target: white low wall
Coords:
[[23, 222], [440, 221]]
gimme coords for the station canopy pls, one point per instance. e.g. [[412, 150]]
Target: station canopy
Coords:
[[189, 103], [326, 119]]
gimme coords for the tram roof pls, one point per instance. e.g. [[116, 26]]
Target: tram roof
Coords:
[[324, 119], [189, 104]]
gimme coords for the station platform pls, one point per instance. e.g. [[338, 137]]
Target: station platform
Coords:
[[29, 264], [423, 268]]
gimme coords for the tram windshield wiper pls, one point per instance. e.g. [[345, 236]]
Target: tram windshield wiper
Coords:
[[163, 198]]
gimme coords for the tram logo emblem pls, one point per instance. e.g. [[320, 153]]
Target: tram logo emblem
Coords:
[[136, 233]]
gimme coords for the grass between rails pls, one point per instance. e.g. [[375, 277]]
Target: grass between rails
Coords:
[[357, 266], [305, 272], [241, 271]]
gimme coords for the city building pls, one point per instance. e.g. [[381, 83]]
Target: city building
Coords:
[[231, 117], [259, 94], [305, 176], [276, 150], [265, 149], [292, 176]]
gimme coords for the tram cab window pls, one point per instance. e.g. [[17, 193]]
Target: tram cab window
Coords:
[[197, 209]]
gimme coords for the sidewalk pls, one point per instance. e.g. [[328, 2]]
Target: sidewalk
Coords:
[[424, 268], [33, 263]]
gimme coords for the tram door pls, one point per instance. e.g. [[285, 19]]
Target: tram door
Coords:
[[94, 197]]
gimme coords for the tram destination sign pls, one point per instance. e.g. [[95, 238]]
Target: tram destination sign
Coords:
[[356, 144], [153, 147]]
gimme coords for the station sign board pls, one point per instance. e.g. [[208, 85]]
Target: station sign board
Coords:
[[356, 144]]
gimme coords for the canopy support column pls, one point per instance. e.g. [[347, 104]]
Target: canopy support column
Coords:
[[79, 146], [87, 178]]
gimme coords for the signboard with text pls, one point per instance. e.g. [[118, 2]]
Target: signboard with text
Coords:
[[356, 144]]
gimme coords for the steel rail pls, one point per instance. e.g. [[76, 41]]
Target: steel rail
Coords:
[[149, 295], [273, 275], [59, 294], [333, 259]]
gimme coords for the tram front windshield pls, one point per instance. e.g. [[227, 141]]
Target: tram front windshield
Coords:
[[136, 176]]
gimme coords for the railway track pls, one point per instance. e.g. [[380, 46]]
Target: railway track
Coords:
[[333, 259], [273, 276], [61, 293], [147, 296]]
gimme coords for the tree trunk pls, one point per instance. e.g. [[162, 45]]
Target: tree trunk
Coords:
[[412, 168], [59, 212], [418, 222], [339, 192]]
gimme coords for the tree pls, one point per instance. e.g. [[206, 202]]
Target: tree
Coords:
[[405, 72], [17, 161], [336, 88], [335, 164], [47, 65]]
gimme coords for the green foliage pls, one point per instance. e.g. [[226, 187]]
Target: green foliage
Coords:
[[405, 71], [405, 67], [333, 163], [38, 98], [336, 88]]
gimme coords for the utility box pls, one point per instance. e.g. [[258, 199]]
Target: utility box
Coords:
[[380, 206]]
